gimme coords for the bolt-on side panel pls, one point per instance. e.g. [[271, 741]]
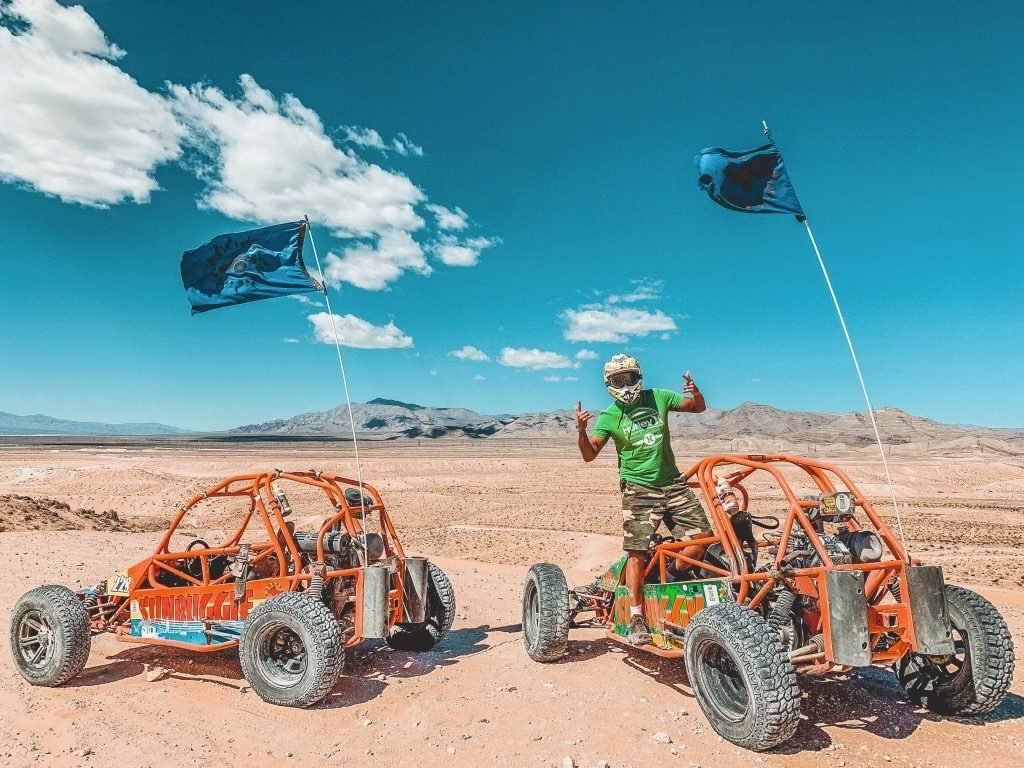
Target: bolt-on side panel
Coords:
[[926, 590], [610, 579], [667, 607], [208, 616], [847, 640]]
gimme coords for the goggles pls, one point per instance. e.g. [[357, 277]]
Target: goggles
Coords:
[[623, 379]]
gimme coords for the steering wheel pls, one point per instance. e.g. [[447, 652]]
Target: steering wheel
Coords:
[[193, 565]]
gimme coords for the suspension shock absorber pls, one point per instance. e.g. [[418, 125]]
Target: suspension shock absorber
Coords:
[[782, 611], [92, 596], [316, 583]]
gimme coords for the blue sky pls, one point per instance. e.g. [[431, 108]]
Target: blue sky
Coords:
[[518, 180]]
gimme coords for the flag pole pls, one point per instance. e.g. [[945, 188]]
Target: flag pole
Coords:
[[856, 365], [344, 384]]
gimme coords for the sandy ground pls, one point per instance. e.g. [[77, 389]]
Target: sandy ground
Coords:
[[485, 512]]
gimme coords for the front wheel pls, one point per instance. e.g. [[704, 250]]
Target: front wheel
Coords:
[[440, 615], [50, 637], [292, 650], [975, 678], [545, 612], [742, 677]]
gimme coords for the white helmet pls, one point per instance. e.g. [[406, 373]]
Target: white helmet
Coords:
[[623, 378]]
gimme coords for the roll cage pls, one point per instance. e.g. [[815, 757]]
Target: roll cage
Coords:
[[752, 587]]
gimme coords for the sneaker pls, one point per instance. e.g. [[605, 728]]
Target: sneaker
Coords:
[[638, 632]]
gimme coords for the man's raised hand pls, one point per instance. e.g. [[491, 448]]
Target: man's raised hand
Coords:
[[688, 386], [582, 417]]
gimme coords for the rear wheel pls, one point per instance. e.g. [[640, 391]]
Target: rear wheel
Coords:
[[545, 612], [50, 637], [742, 676], [975, 678], [291, 650], [440, 615]]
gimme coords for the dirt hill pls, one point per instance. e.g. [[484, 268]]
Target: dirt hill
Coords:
[[25, 513]]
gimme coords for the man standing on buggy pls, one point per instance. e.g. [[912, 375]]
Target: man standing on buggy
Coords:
[[653, 490]]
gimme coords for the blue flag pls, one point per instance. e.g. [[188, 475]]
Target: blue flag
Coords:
[[247, 266], [750, 182]]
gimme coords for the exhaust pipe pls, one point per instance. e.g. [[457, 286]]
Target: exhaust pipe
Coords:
[[375, 601]]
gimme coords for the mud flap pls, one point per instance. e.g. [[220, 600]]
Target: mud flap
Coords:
[[926, 591], [847, 619]]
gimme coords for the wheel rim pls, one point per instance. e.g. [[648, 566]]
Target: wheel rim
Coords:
[[532, 612], [720, 681], [282, 655], [35, 640], [924, 674]]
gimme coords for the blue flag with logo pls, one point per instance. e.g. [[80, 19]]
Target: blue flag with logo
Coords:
[[750, 182], [247, 266]]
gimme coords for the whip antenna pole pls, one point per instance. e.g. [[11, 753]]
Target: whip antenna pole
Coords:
[[856, 366], [344, 384]]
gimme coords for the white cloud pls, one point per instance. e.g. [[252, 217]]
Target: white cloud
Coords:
[[269, 158], [560, 378], [642, 290], [470, 352], [74, 125], [304, 299], [404, 146], [462, 253], [534, 359], [586, 354], [373, 267], [355, 332], [364, 137], [478, 377], [368, 137], [290, 340], [614, 324], [447, 218]]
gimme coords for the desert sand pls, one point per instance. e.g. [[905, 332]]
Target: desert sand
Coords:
[[485, 511]]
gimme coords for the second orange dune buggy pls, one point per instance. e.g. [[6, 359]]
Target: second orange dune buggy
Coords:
[[290, 601], [827, 588]]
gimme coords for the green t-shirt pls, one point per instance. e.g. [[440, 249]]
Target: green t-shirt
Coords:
[[640, 432]]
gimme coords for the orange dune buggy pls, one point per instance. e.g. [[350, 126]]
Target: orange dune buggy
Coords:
[[291, 602], [826, 588]]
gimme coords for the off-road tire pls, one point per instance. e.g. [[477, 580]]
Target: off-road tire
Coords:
[[977, 679], [440, 615], [64, 642], [742, 677], [282, 618], [545, 613]]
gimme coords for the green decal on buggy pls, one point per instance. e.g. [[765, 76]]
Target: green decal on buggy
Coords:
[[669, 608], [612, 576]]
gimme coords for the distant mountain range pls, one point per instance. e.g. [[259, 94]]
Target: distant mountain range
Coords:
[[753, 424], [37, 424], [390, 419]]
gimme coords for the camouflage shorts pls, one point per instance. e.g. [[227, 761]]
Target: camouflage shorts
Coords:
[[645, 508]]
